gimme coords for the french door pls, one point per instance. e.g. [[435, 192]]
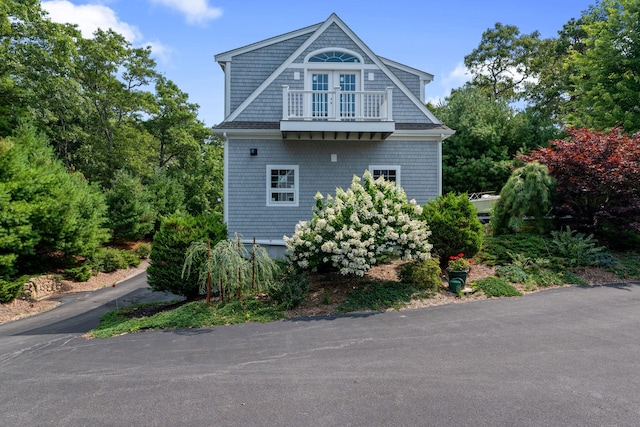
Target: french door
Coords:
[[323, 96]]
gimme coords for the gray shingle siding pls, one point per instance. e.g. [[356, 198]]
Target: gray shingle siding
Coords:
[[411, 81], [333, 37], [247, 192], [249, 70]]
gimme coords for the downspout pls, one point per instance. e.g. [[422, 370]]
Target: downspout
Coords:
[[440, 142], [225, 178]]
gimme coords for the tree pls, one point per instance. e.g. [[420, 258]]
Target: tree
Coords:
[[43, 207], [502, 63], [131, 214], [605, 74], [597, 177], [170, 245], [529, 192], [477, 157]]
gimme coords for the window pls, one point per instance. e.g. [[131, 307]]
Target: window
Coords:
[[282, 185], [390, 173], [334, 56]]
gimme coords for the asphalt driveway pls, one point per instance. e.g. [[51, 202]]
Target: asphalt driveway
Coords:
[[569, 356]]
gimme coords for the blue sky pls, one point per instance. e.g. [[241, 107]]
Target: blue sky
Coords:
[[433, 36]]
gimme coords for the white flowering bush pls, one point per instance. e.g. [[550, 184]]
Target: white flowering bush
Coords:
[[354, 229]]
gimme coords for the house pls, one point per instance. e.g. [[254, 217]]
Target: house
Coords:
[[306, 111]]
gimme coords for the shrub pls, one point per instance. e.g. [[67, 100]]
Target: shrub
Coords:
[[81, 273], [528, 193], [9, 290], [597, 175], [422, 274], [289, 289], [170, 245], [108, 260], [454, 224], [352, 231], [513, 273], [228, 266], [143, 250], [575, 248], [499, 250], [496, 287], [131, 258]]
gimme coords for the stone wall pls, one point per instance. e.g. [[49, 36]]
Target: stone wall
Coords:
[[40, 287]]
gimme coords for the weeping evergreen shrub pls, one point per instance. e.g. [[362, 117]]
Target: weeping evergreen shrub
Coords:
[[527, 194], [454, 224], [170, 246]]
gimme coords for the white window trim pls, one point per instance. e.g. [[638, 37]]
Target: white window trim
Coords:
[[388, 167], [296, 186]]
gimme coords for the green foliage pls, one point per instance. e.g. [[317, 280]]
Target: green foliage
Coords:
[[528, 193], [170, 245], [454, 224], [628, 266], [131, 214], [479, 157], [609, 57], [108, 260], [9, 290], [576, 249], [499, 250], [503, 61], [166, 195], [143, 250], [352, 231], [228, 266], [82, 273], [380, 296], [422, 274], [189, 315], [43, 208], [496, 287], [513, 273], [289, 288]]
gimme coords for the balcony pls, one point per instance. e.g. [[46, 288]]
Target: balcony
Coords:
[[336, 114]]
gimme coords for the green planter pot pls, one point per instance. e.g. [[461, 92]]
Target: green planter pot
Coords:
[[457, 280]]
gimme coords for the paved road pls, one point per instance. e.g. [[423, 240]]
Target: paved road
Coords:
[[569, 356]]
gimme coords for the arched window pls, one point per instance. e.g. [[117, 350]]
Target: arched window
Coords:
[[333, 56]]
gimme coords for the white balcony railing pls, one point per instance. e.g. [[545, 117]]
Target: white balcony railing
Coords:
[[336, 105]]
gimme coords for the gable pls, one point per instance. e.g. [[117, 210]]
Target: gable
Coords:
[[252, 68], [261, 101]]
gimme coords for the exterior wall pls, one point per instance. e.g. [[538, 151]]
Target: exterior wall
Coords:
[[411, 81], [247, 192], [249, 70]]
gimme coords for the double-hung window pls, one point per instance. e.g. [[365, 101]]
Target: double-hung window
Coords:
[[282, 185], [390, 173]]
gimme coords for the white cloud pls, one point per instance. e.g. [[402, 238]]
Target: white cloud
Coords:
[[195, 11], [160, 51], [452, 80], [90, 17], [457, 77]]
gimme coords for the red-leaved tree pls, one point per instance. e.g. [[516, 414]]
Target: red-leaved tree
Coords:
[[598, 176]]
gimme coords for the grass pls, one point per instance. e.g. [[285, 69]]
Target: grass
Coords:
[[157, 316], [190, 315]]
